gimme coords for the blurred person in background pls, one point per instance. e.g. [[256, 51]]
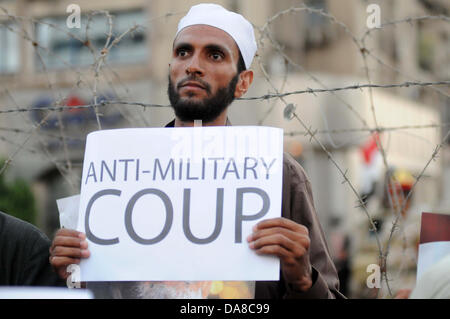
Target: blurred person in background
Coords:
[[24, 255], [403, 248], [401, 263]]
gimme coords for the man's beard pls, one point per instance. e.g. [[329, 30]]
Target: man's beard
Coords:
[[206, 110]]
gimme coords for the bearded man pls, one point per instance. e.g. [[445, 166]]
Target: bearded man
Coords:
[[211, 56]]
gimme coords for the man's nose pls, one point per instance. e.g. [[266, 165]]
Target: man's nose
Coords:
[[194, 66]]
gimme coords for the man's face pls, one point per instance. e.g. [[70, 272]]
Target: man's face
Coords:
[[203, 73]]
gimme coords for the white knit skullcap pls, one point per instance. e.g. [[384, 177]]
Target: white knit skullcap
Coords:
[[232, 23]]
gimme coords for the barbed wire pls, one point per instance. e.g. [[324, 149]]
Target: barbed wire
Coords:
[[371, 129], [350, 87], [409, 20], [362, 48], [262, 97]]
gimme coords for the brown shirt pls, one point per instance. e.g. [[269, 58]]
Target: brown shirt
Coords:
[[298, 205]]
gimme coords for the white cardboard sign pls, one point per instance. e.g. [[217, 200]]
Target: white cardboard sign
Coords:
[[178, 203]]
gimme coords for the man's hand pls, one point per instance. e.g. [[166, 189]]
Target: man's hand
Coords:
[[67, 248], [289, 241]]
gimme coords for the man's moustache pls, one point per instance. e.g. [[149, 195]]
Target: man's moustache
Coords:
[[194, 79]]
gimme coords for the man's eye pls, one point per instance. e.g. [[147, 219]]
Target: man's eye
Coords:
[[182, 53], [216, 56]]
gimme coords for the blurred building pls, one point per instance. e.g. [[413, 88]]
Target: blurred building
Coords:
[[43, 62]]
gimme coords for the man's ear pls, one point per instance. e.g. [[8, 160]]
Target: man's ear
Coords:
[[244, 82]]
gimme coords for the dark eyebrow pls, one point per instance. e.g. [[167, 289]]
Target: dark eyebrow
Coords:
[[183, 45], [216, 47], [211, 47]]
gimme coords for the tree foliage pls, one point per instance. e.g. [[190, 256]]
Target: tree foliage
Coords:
[[17, 199]]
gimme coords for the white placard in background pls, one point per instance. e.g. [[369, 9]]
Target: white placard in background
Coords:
[[68, 208], [178, 203], [16, 292]]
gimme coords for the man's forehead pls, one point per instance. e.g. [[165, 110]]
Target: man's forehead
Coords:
[[206, 34]]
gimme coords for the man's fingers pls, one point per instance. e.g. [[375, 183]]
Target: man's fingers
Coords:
[[293, 248], [69, 242], [281, 222], [275, 250], [62, 262], [296, 236], [60, 251], [275, 239], [69, 233], [270, 231]]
